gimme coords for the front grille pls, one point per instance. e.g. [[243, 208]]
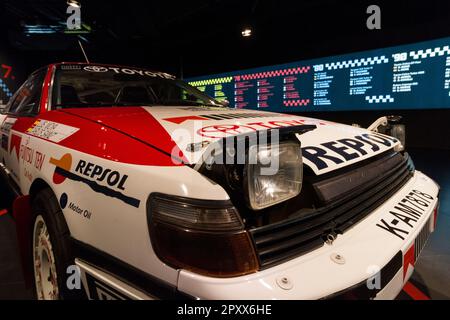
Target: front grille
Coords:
[[421, 240], [284, 240]]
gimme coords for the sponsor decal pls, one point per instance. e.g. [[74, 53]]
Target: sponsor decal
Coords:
[[226, 130], [38, 160], [70, 67], [91, 174], [26, 153], [30, 156], [222, 116], [27, 174], [7, 125], [129, 71], [347, 149], [64, 200], [5, 131], [51, 131], [95, 69], [179, 120], [80, 211], [406, 213]]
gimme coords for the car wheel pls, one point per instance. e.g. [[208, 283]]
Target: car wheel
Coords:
[[51, 249]]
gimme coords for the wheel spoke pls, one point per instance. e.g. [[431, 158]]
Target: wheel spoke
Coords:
[[44, 262]]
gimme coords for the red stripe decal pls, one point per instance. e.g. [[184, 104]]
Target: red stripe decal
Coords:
[[15, 144], [135, 122], [414, 292], [408, 259], [179, 120]]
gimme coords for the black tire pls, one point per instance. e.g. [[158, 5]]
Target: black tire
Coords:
[[45, 205]]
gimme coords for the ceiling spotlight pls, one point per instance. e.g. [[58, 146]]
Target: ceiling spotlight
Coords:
[[73, 3], [246, 32]]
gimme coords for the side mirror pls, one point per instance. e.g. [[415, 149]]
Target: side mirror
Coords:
[[28, 108], [394, 119], [391, 126], [397, 130]]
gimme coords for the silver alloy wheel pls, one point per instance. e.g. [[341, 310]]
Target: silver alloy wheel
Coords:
[[44, 262]]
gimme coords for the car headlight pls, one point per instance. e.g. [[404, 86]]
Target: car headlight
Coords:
[[274, 174]]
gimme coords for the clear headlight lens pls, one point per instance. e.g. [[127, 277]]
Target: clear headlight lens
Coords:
[[274, 174]]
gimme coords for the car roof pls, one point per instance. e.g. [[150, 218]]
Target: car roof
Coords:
[[104, 65]]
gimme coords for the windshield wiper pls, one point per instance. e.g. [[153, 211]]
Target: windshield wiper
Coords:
[[190, 103], [128, 104]]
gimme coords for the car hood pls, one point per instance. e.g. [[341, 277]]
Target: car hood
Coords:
[[186, 132]]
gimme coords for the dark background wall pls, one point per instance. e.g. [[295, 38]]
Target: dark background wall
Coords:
[[427, 129], [199, 37], [203, 36], [12, 78]]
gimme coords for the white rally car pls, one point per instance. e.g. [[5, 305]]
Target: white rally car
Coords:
[[145, 187]]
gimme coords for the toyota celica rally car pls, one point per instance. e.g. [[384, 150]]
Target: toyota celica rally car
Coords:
[[122, 191]]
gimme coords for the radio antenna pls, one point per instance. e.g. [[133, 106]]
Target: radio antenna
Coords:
[[82, 50]]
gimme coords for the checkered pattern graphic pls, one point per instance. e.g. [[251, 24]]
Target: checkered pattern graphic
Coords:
[[379, 99], [208, 82], [356, 62], [6, 92], [296, 103], [275, 73], [429, 53]]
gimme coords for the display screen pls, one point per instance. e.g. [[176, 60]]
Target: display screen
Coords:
[[7, 83], [414, 76]]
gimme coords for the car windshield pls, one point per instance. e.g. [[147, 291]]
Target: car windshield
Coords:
[[90, 86]]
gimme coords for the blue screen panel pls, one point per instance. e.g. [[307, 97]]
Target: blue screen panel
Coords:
[[7, 82], [414, 76]]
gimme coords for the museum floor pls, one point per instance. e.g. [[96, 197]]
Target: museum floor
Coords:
[[431, 279]]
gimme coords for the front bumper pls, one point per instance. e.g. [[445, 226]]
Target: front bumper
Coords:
[[366, 251]]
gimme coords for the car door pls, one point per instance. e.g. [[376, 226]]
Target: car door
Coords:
[[20, 112]]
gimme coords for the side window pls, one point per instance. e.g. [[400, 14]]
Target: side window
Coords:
[[27, 99]]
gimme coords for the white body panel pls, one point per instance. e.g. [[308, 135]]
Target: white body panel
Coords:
[[113, 226], [121, 230], [314, 275]]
